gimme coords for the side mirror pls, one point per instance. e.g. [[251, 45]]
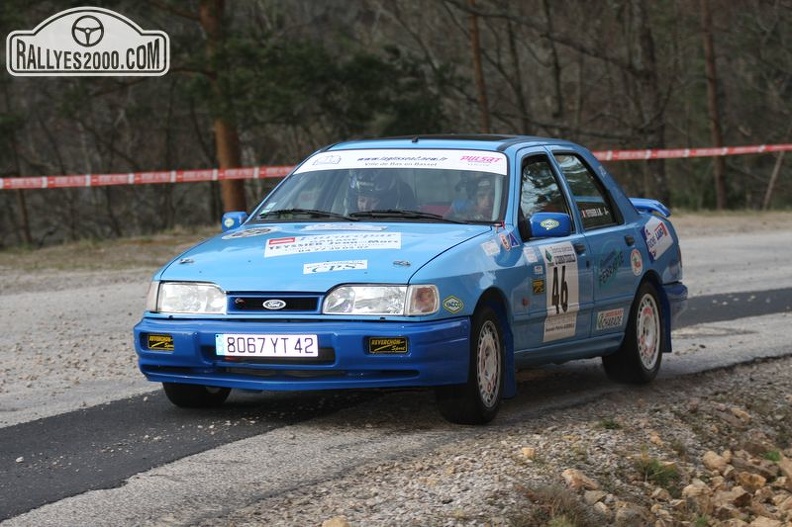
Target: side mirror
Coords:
[[550, 225], [232, 220]]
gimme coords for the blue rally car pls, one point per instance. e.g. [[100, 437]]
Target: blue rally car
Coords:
[[440, 261]]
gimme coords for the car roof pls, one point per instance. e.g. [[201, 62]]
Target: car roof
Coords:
[[491, 142]]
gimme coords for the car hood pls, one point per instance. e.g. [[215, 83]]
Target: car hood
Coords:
[[315, 257]]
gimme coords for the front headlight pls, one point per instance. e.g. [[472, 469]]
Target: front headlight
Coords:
[[382, 300], [186, 298]]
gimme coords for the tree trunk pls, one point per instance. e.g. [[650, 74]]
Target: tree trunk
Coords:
[[652, 106], [27, 237], [228, 156], [558, 108], [768, 198], [478, 72], [716, 136], [519, 95], [24, 220], [226, 137]]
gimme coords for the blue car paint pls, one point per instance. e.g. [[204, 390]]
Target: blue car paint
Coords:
[[470, 264]]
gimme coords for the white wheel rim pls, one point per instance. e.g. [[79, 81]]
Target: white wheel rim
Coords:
[[488, 364], [648, 332]]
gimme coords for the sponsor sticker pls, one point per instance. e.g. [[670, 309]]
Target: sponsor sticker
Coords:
[[658, 238], [490, 248], [453, 305], [87, 42], [484, 160], [530, 255], [559, 254], [609, 267], [549, 224], [357, 241], [492, 162], [329, 267], [560, 326], [538, 286], [343, 227], [328, 159], [247, 233], [387, 345], [636, 262], [160, 342], [611, 319]]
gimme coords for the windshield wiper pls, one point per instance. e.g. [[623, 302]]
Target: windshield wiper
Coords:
[[395, 213], [313, 213]]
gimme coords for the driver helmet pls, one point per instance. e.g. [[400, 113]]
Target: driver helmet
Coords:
[[375, 189], [374, 183]]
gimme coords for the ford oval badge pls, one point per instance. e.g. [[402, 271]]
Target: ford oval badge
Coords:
[[273, 304]]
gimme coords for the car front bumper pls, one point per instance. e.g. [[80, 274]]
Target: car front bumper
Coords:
[[437, 354]]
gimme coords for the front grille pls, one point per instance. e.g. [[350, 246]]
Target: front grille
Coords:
[[326, 356], [292, 304]]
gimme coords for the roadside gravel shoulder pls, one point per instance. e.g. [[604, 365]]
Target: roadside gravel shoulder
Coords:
[[635, 457]]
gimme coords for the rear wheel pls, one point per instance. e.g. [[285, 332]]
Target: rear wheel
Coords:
[[638, 359], [195, 395], [478, 400]]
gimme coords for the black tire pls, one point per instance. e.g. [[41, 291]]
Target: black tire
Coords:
[[195, 395], [638, 359], [478, 400]]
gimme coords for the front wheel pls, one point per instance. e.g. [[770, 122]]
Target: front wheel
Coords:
[[195, 395], [638, 359], [478, 400]]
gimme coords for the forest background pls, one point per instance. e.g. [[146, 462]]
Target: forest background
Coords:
[[266, 82]]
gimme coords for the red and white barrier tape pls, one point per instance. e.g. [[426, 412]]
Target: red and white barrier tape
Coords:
[[143, 178], [262, 172], [637, 155]]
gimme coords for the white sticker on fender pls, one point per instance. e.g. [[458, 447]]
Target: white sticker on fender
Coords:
[[563, 291], [658, 239]]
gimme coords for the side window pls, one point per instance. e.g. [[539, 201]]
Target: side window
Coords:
[[590, 197], [539, 190]]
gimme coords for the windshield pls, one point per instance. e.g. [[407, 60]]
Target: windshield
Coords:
[[386, 185]]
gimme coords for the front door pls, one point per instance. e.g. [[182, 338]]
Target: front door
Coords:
[[559, 270]]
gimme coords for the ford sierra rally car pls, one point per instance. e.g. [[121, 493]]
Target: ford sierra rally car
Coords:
[[441, 261]]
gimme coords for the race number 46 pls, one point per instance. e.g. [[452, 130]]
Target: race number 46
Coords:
[[559, 292]]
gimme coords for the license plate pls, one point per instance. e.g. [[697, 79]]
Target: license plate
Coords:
[[249, 345]]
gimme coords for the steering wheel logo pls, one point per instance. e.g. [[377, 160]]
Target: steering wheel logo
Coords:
[[87, 31]]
